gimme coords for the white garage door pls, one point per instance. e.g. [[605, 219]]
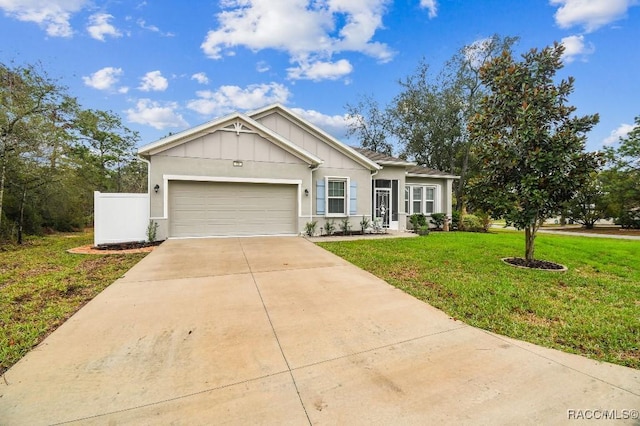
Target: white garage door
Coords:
[[203, 209]]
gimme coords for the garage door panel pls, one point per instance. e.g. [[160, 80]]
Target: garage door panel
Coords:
[[226, 209]]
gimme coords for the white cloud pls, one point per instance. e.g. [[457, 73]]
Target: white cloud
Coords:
[[200, 77], [53, 15], [621, 132], [575, 47], [309, 32], [231, 98], [590, 14], [321, 70], [155, 114], [262, 66], [99, 26], [431, 6], [153, 81], [104, 79], [335, 125], [153, 28]]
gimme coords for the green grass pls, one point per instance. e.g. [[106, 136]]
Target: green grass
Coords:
[[41, 285], [592, 310]]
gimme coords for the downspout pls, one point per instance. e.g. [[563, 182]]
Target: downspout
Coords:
[[375, 172], [311, 191]]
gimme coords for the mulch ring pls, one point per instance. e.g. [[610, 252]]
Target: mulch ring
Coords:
[[543, 265], [119, 248]]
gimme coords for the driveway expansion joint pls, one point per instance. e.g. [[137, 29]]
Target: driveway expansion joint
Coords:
[[398, 343], [275, 334]]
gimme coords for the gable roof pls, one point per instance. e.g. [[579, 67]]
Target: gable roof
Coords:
[[411, 170], [316, 131], [237, 122]]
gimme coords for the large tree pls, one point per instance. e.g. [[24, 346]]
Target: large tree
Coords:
[[105, 148], [623, 179], [369, 122], [530, 143], [29, 99], [430, 116]]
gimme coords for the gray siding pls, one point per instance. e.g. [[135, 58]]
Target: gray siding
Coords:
[[224, 145], [296, 134]]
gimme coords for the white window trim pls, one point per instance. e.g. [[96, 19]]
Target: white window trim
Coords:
[[347, 195], [423, 204]]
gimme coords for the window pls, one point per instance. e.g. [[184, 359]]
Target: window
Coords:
[[421, 199], [407, 195], [336, 196], [429, 200], [417, 199]]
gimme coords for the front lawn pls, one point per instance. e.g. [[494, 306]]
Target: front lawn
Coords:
[[592, 310], [41, 285]]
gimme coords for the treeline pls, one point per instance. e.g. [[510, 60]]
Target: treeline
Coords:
[[429, 120], [54, 154]]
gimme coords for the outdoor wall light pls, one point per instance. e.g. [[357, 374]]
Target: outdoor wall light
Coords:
[[306, 192], [156, 188]]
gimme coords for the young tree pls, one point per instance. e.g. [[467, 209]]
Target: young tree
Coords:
[[530, 145]]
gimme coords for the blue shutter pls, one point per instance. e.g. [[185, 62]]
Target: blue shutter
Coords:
[[353, 198], [320, 201]]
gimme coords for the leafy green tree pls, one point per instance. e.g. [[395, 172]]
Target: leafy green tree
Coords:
[[29, 99], [426, 118], [431, 114], [623, 179], [370, 124], [105, 147], [629, 149], [588, 204], [530, 143]]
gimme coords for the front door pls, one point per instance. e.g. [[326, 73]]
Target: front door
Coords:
[[382, 205]]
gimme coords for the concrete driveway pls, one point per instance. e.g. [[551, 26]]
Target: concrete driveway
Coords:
[[279, 331]]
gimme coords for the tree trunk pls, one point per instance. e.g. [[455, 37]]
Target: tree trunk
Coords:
[[21, 223], [530, 236], [3, 173]]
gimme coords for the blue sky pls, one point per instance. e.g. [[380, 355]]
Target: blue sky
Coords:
[[164, 66]]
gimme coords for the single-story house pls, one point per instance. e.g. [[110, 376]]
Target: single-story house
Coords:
[[269, 172]]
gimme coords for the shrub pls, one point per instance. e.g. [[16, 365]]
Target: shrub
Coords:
[[629, 219], [377, 225], [152, 230], [438, 220], [455, 220], [310, 228], [364, 223], [330, 227], [423, 230], [485, 219], [471, 223], [417, 220], [345, 226]]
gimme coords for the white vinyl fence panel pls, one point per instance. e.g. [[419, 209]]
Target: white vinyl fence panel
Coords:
[[120, 218]]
